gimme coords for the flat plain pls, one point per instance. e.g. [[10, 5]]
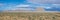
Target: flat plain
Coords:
[[29, 16]]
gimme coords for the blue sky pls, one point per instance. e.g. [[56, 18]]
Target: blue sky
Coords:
[[49, 5]]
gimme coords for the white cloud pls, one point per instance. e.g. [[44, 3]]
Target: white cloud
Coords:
[[47, 7], [21, 5], [24, 9], [44, 1], [56, 5]]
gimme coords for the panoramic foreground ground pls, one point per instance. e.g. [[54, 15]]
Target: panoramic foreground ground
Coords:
[[29, 16]]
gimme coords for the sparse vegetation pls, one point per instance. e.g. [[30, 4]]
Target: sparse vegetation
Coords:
[[29, 16]]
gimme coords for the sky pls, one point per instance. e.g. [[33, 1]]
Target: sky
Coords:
[[48, 5], [44, 1]]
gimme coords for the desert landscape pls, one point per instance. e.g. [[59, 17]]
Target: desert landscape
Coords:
[[29, 16], [29, 9]]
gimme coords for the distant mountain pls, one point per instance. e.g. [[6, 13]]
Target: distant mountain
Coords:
[[53, 9]]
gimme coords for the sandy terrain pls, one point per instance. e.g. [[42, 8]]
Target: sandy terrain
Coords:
[[29, 16]]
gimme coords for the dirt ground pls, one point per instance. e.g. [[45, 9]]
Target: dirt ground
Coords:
[[29, 16]]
